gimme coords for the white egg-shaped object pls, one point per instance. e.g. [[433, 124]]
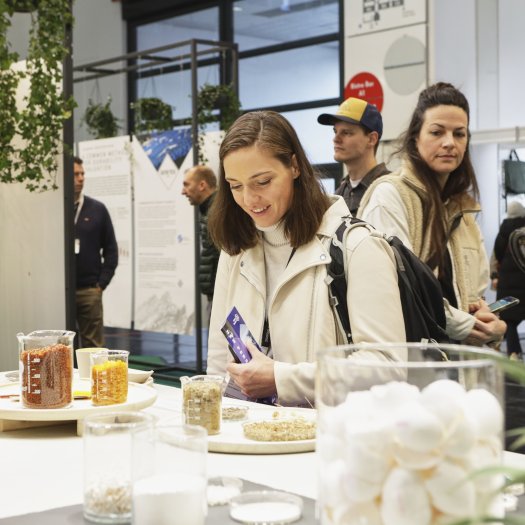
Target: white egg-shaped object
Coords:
[[485, 454], [358, 489], [443, 398], [394, 394], [417, 428], [404, 500], [359, 514], [413, 460], [450, 490], [365, 462], [461, 436], [486, 410]]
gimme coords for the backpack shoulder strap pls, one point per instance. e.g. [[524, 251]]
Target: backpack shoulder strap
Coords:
[[336, 274]]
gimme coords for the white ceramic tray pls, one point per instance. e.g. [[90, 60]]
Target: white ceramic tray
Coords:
[[139, 396], [231, 438]]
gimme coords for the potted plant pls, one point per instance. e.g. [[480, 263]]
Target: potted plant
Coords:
[[31, 135], [216, 103], [152, 114], [100, 121]]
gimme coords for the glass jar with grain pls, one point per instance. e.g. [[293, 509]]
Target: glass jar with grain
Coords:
[[46, 368], [109, 377], [202, 401]]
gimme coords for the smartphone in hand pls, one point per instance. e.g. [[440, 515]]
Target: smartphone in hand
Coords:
[[502, 304]]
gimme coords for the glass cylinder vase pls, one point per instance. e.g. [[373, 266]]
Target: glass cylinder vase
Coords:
[[404, 431]]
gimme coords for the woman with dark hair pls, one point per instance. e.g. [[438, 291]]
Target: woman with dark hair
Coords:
[[430, 203], [273, 223]]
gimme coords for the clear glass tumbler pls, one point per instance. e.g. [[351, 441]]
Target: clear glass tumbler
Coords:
[[401, 430], [169, 475], [109, 377], [108, 464]]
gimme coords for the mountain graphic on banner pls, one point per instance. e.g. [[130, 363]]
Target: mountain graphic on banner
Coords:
[[161, 314], [175, 143]]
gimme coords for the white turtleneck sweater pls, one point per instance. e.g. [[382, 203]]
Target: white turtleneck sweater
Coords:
[[277, 251]]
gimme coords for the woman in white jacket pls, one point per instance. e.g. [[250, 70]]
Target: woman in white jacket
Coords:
[[273, 223]]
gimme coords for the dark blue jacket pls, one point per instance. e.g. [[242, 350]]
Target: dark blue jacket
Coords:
[[98, 256]]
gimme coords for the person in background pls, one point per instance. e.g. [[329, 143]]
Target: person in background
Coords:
[[96, 259], [357, 130], [274, 222], [511, 279], [430, 203], [199, 186]]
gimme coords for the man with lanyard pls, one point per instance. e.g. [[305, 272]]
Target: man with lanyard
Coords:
[[357, 129], [96, 255]]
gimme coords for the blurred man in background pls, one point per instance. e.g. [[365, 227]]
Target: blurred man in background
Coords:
[[199, 186], [96, 258]]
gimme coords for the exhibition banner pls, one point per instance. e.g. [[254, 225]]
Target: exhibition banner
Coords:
[[107, 166], [164, 240]]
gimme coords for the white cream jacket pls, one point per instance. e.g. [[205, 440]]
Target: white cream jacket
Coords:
[[394, 205], [300, 318]]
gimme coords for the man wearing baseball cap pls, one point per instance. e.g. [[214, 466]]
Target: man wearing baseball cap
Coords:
[[357, 129]]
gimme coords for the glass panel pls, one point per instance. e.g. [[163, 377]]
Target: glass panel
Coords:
[[298, 75], [315, 138], [259, 23], [199, 24]]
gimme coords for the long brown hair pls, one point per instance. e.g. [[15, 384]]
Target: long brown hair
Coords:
[[461, 182], [229, 226]]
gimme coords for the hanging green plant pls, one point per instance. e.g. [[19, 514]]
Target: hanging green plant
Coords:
[[216, 103], [100, 121], [31, 135], [152, 114]]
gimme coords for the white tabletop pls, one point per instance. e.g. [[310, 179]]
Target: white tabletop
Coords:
[[42, 468]]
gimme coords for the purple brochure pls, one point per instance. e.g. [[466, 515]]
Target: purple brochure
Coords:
[[237, 333]]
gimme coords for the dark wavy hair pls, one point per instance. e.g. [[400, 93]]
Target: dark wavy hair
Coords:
[[461, 182], [230, 227]]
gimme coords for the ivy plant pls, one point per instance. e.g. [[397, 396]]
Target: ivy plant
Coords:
[[152, 114], [216, 103], [31, 133], [100, 121]]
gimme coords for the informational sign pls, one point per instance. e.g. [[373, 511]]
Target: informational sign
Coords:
[[366, 87], [164, 240], [365, 16], [108, 179], [393, 61]]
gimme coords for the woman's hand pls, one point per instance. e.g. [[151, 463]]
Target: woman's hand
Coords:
[[256, 379], [487, 328]]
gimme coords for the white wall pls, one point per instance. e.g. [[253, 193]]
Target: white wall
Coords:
[[32, 281]]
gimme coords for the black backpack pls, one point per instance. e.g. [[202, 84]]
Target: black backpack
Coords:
[[517, 247], [419, 289]]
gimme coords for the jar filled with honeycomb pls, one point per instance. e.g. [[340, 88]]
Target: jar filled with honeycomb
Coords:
[[109, 377]]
